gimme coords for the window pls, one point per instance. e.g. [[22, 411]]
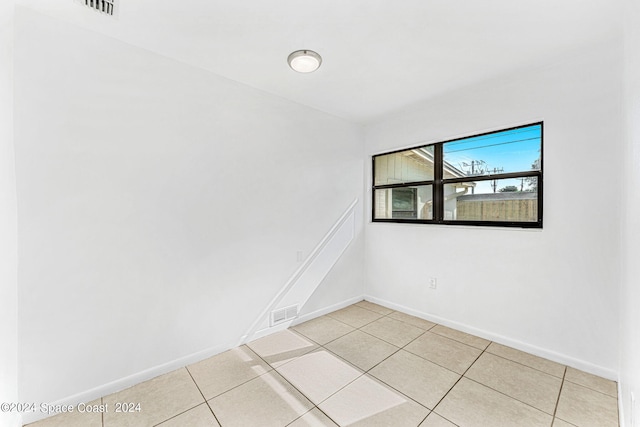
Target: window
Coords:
[[490, 179]]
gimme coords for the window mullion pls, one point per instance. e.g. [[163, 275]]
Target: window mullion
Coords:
[[438, 188]]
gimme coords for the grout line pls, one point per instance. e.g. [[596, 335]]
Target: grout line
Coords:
[[531, 367], [383, 340], [300, 391], [271, 369], [243, 383], [456, 383], [510, 397], [314, 407], [433, 324], [441, 366], [388, 357], [483, 350], [456, 341], [515, 398], [399, 348], [305, 336], [421, 335], [203, 396], [351, 364], [377, 312], [447, 419], [341, 336], [206, 402], [383, 360], [497, 391], [592, 389], [425, 418], [555, 410], [366, 373], [400, 392], [327, 415], [338, 320], [359, 376], [461, 342], [180, 413]]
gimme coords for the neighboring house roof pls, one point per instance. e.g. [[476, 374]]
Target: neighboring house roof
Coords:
[[507, 195], [448, 167]]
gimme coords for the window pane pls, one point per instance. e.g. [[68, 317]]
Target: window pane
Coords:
[[492, 200], [413, 202], [404, 167], [515, 150]]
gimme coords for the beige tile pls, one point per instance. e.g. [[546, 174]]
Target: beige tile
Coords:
[[525, 384], [281, 347], [435, 420], [355, 316], [374, 307], [393, 331], [313, 418], [367, 402], [557, 422], [75, 418], [224, 371], [267, 401], [412, 320], [460, 336], [470, 404], [423, 381], [445, 352], [361, 349], [319, 374], [200, 416], [323, 329], [535, 362], [586, 408], [591, 381], [160, 399]]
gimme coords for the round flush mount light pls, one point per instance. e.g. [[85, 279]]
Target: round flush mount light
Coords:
[[304, 61]]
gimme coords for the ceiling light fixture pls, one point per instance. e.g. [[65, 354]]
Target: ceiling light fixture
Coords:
[[304, 61]]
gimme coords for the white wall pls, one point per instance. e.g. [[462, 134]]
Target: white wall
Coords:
[[554, 291], [161, 207], [8, 224], [630, 293]]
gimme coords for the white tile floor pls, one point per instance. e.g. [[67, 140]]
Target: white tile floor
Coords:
[[365, 365]]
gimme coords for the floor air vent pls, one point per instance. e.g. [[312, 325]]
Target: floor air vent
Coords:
[[284, 314], [108, 7]]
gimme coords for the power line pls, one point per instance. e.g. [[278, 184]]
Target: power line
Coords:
[[490, 136], [491, 145]]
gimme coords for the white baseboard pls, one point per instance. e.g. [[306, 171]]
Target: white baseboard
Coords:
[[129, 381], [621, 419], [528, 348], [148, 374], [10, 419], [264, 332], [301, 319], [326, 310]]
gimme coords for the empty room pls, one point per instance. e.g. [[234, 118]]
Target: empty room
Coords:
[[319, 213]]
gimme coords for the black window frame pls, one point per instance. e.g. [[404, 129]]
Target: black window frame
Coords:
[[439, 182]]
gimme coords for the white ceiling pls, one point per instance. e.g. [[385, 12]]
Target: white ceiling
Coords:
[[378, 55]]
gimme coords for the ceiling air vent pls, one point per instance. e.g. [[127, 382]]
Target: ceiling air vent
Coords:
[[108, 7]]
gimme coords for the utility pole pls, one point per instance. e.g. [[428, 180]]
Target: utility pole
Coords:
[[494, 183]]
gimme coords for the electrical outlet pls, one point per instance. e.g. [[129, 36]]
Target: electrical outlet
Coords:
[[433, 283]]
